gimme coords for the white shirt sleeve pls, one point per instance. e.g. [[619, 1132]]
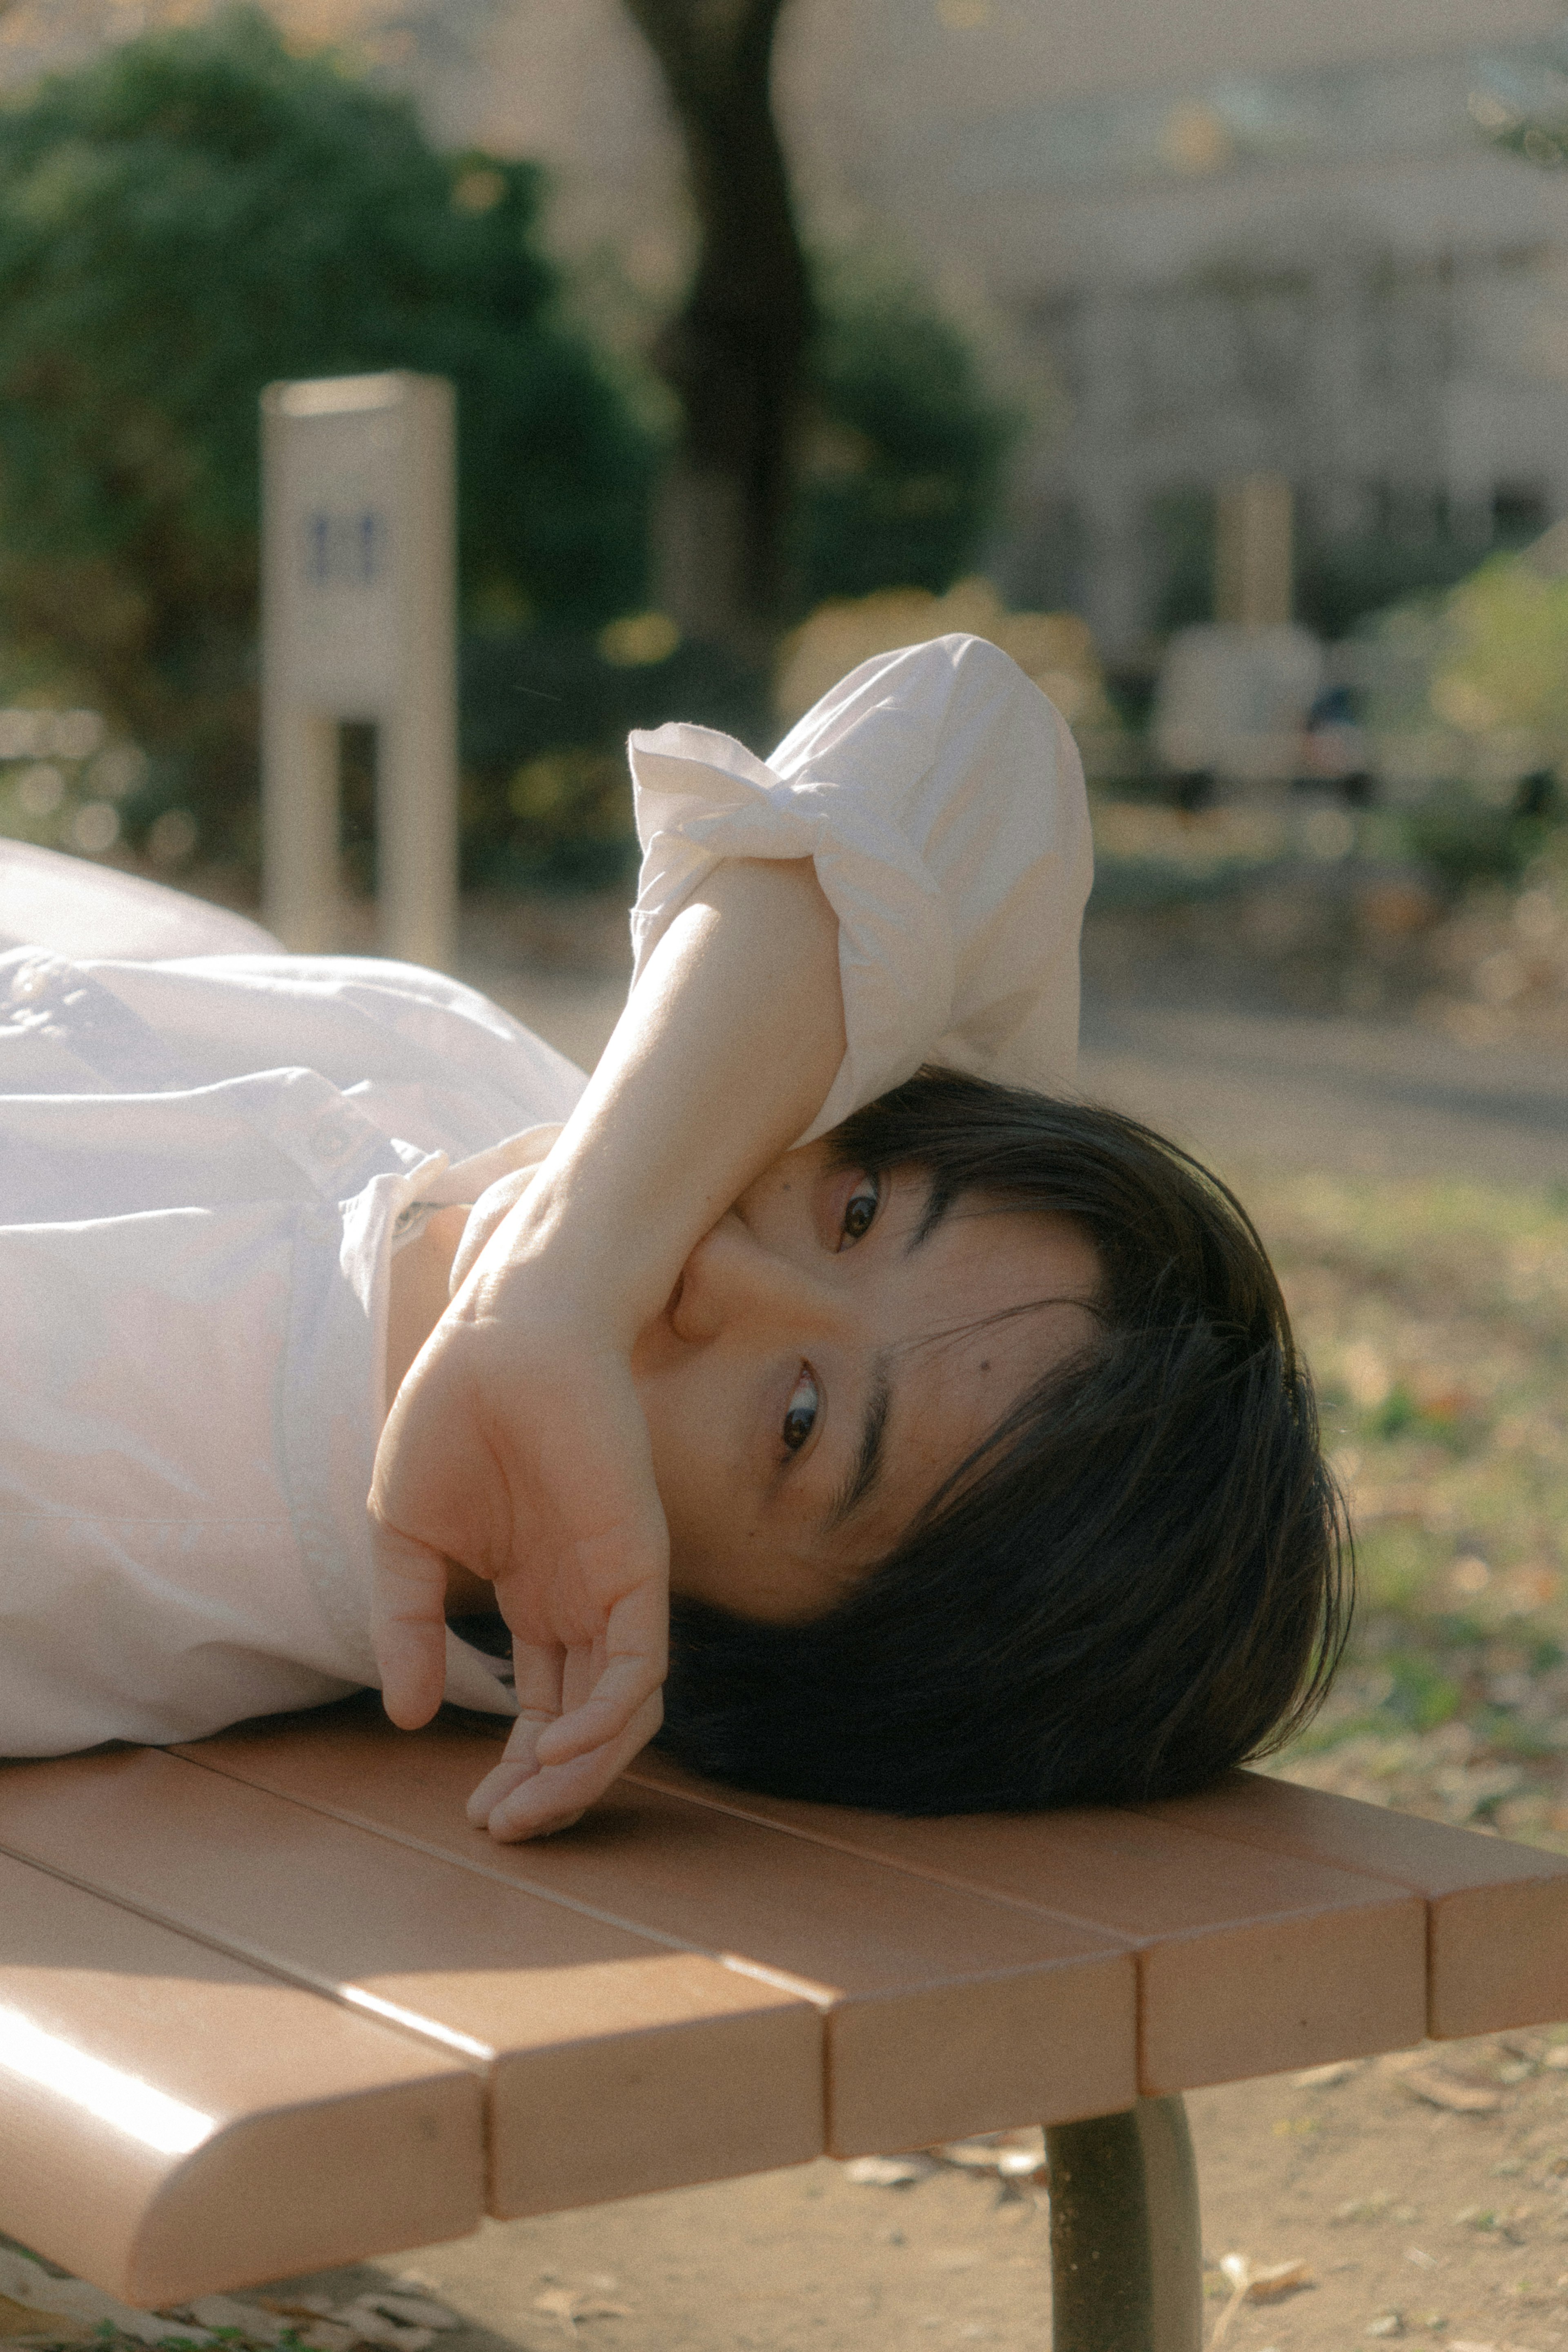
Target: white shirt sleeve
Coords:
[[941, 798]]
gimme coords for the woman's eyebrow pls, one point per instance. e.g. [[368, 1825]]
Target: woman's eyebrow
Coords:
[[938, 1203], [866, 1467]]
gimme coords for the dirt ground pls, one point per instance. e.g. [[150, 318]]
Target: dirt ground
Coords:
[[1413, 2220]]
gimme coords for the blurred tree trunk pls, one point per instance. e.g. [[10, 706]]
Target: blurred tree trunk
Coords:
[[736, 353]]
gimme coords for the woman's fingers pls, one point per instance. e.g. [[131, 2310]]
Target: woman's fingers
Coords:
[[630, 1659], [621, 1690], [551, 1797], [408, 1624], [537, 1671], [518, 1763]]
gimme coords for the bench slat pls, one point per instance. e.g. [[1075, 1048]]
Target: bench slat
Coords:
[[1497, 1911], [616, 2064], [1249, 1962], [946, 2013], [172, 2121]]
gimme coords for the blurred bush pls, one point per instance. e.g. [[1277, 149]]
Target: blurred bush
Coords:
[[1461, 840], [903, 459], [1509, 664], [184, 220], [547, 793], [1464, 700], [1339, 582]]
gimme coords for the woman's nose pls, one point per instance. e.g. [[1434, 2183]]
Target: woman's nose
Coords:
[[731, 1280]]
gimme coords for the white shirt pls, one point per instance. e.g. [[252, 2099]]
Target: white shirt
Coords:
[[203, 1161]]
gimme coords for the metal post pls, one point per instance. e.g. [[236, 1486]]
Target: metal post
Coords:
[[1127, 2261]]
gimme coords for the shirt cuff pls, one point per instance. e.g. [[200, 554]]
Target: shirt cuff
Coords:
[[702, 797]]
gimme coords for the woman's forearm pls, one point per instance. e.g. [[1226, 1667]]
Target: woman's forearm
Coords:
[[517, 1445], [724, 1055]]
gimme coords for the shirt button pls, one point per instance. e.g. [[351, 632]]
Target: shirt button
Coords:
[[333, 1136]]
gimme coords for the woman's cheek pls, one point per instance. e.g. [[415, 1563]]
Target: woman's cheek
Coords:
[[682, 1434]]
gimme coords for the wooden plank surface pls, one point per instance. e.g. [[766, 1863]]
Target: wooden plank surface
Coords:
[[946, 2012], [617, 2063], [172, 2121], [1498, 1911], [1249, 1962]]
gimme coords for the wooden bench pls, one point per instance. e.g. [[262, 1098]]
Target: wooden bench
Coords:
[[267, 2005]]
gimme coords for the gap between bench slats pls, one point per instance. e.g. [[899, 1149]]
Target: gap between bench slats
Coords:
[[614, 2065], [1497, 1913], [1246, 1964], [942, 2017]]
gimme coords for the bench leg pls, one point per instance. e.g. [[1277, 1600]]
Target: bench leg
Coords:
[[1127, 2266]]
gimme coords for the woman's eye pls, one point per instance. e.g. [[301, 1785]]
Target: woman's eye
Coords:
[[860, 1210], [800, 1413]]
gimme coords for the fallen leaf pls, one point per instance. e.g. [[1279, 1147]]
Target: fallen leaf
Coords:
[[569, 2304], [252, 2319], [412, 2310], [26, 2282], [25, 2319], [888, 2171], [1238, 2269], [1387, 2322], [1277, 2278], [1011, 2156], [371, 2325], [1444, 2091]]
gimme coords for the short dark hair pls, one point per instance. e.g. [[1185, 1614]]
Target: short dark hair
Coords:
[[1144, 1574]]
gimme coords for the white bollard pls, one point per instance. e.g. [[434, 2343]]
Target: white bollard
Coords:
[[359, 621]]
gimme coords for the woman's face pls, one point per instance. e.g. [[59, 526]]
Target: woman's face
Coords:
[[827, 1358]]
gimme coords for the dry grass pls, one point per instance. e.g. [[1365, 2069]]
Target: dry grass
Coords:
[[1436, 1319]]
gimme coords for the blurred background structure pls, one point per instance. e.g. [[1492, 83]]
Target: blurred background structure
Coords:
[[1027, 293]]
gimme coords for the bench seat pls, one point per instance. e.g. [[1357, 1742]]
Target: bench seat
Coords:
[[385, 2025]]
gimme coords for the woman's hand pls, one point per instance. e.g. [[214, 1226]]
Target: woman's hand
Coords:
[[517, 1445]]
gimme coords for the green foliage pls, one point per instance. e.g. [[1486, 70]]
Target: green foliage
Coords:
[[1339, 582], [190, 217], [905, 460], [1522, 111], [546, 713], [1508, 661], [1462, 841]]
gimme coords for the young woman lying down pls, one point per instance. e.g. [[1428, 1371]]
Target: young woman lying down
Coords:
[[820, 1378]]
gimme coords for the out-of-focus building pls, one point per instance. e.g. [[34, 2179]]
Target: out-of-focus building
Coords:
[[1287, 255], [1239, 240], [1204, 238]]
